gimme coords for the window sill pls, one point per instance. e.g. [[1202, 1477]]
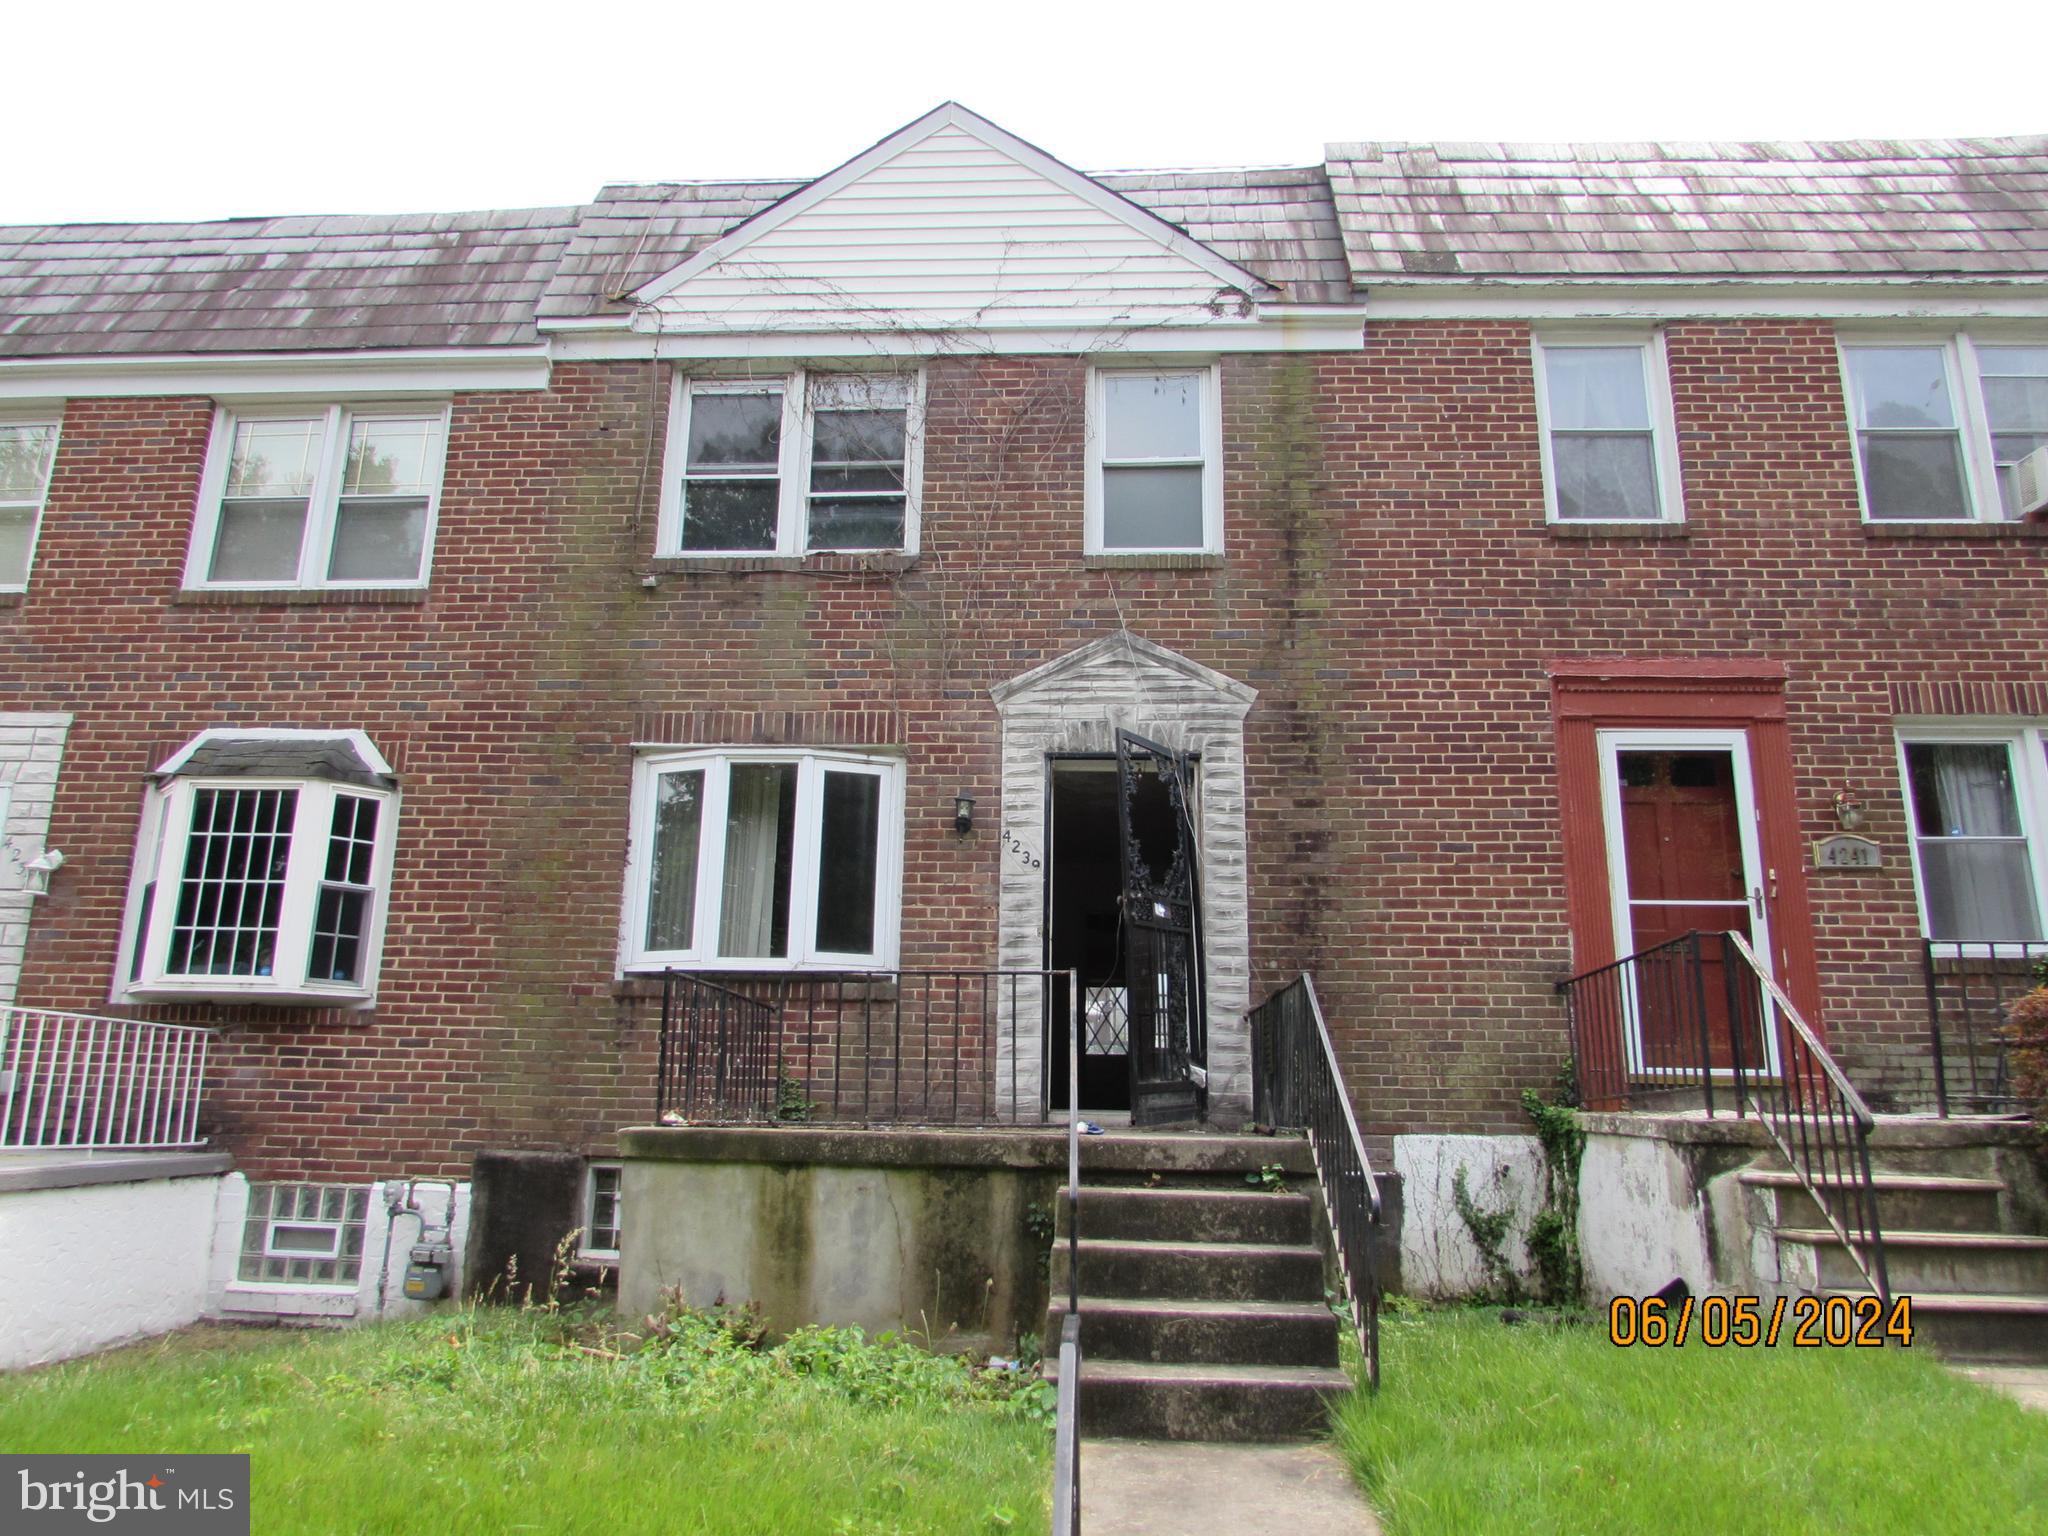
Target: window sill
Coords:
[[1158, 560], [297, 597], [878, 563], [1971, 530], [1642, 530]]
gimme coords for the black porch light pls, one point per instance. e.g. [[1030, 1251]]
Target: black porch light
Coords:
[[963, 814]]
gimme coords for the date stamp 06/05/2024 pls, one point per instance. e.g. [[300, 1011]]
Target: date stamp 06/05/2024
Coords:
[[1747, 1322]]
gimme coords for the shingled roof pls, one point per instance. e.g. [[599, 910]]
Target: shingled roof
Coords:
[[299, 284], [1961, 207]]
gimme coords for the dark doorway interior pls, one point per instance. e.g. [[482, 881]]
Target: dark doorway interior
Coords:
[[1084, 878]]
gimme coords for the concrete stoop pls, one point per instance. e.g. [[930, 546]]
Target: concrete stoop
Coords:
[[1202, 1311], [1955, 1240]]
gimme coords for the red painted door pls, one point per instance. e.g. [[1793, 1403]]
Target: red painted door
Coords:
[[1682, 843]]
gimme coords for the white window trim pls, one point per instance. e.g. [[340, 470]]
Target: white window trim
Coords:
[[160, 857], [1664, 453], [803, 956], [588, 1222], [2025, 740], [54, 420], [1966, 399], [316, 543], [792, 531], [1211, 414]]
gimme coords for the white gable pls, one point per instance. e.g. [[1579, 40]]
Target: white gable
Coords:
[[951, 225]]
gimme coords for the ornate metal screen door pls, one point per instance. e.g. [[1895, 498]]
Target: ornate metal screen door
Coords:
[[1162, 929]]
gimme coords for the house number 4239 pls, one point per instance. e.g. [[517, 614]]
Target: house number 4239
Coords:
[[1015, 845]]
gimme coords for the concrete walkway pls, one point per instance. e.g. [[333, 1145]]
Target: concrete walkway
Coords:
[[1196, 1488], [2027, 1383]]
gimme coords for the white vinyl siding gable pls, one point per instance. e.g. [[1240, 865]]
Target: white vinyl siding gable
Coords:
[[951, 233]]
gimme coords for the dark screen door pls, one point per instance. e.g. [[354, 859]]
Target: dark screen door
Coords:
[[1162, 928]]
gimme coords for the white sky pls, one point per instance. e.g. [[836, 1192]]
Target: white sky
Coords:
[[208, 109]]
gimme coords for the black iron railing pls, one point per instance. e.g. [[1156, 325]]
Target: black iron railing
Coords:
[[720, 1057], [1296, 1083], [869, 1047], [1066, 1482], [1969, 987], [1698, 1020]]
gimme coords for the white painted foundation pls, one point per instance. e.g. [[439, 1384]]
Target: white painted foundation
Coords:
[[1439, 1261]]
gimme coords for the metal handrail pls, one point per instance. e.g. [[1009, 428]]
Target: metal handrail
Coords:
[[82, 1081], [1792, 1016], [1066, 1500]]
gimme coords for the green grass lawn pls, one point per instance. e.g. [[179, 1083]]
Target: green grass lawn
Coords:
[[502, 1421], [1545, 1428]]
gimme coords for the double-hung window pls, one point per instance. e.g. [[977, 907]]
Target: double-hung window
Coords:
[[765, 860], [1941, 422], [1978, 804], [1155, 473], [27, 450], [263, 870], [808, 463], [335, 496], [1610, 449]]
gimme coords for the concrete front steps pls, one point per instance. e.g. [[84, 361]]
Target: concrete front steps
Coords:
[[1202, 1311], [1953, 1242]]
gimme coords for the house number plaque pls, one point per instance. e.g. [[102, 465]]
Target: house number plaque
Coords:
[[1847, 852]]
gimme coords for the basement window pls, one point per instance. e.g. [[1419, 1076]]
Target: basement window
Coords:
[[340, 496], [806, 463], [601, 1211], [757, 859], [263, 871], [304, 1234]]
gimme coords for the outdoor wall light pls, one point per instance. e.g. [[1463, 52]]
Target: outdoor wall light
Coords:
[[1848, 810], [38, 870], [963, 814]]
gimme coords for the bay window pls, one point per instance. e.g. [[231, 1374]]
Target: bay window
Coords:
[[758, 859]]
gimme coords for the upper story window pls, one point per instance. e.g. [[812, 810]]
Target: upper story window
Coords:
[[340, 496], [1610, 447], [1978, 800], [27, 450], [757, 859], [263, 870], [1940, 423], [1155, 464], [805, 464]]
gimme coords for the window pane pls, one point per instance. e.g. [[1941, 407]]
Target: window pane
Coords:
[[1963, 789], [849, 842], [1913, 475], [232, 888], [735, 431], [1596, 388], [729, 514], [258, 541], [874, 522], [1152, 416], [873, 437], [337, 950], [1978, 891], [275, 458], [378, 541], [16, 524], [1152, 508], [1610, 475], [2018, 404], [760, 834], [1902, 387], [672, 888], [25, 460], [390, 457]]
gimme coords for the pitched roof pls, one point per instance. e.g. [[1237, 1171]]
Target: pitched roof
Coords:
[[1963, 207], [248, 285]]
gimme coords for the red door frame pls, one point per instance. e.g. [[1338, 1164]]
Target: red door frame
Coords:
[[1587, 697]]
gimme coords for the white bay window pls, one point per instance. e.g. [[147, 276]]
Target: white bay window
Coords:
[[758, 859]]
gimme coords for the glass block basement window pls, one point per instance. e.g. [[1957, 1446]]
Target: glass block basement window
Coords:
[[304, 1234]]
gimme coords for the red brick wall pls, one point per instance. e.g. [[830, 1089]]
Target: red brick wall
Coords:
[[1390, 586]]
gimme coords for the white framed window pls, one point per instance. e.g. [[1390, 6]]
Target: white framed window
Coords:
[[262, 871], [601, 1211], [1940, 421], [804, 463], [28, 450], [319, 496], [1155, 461], [1610, 440], [1977, 816], [764, 859]]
